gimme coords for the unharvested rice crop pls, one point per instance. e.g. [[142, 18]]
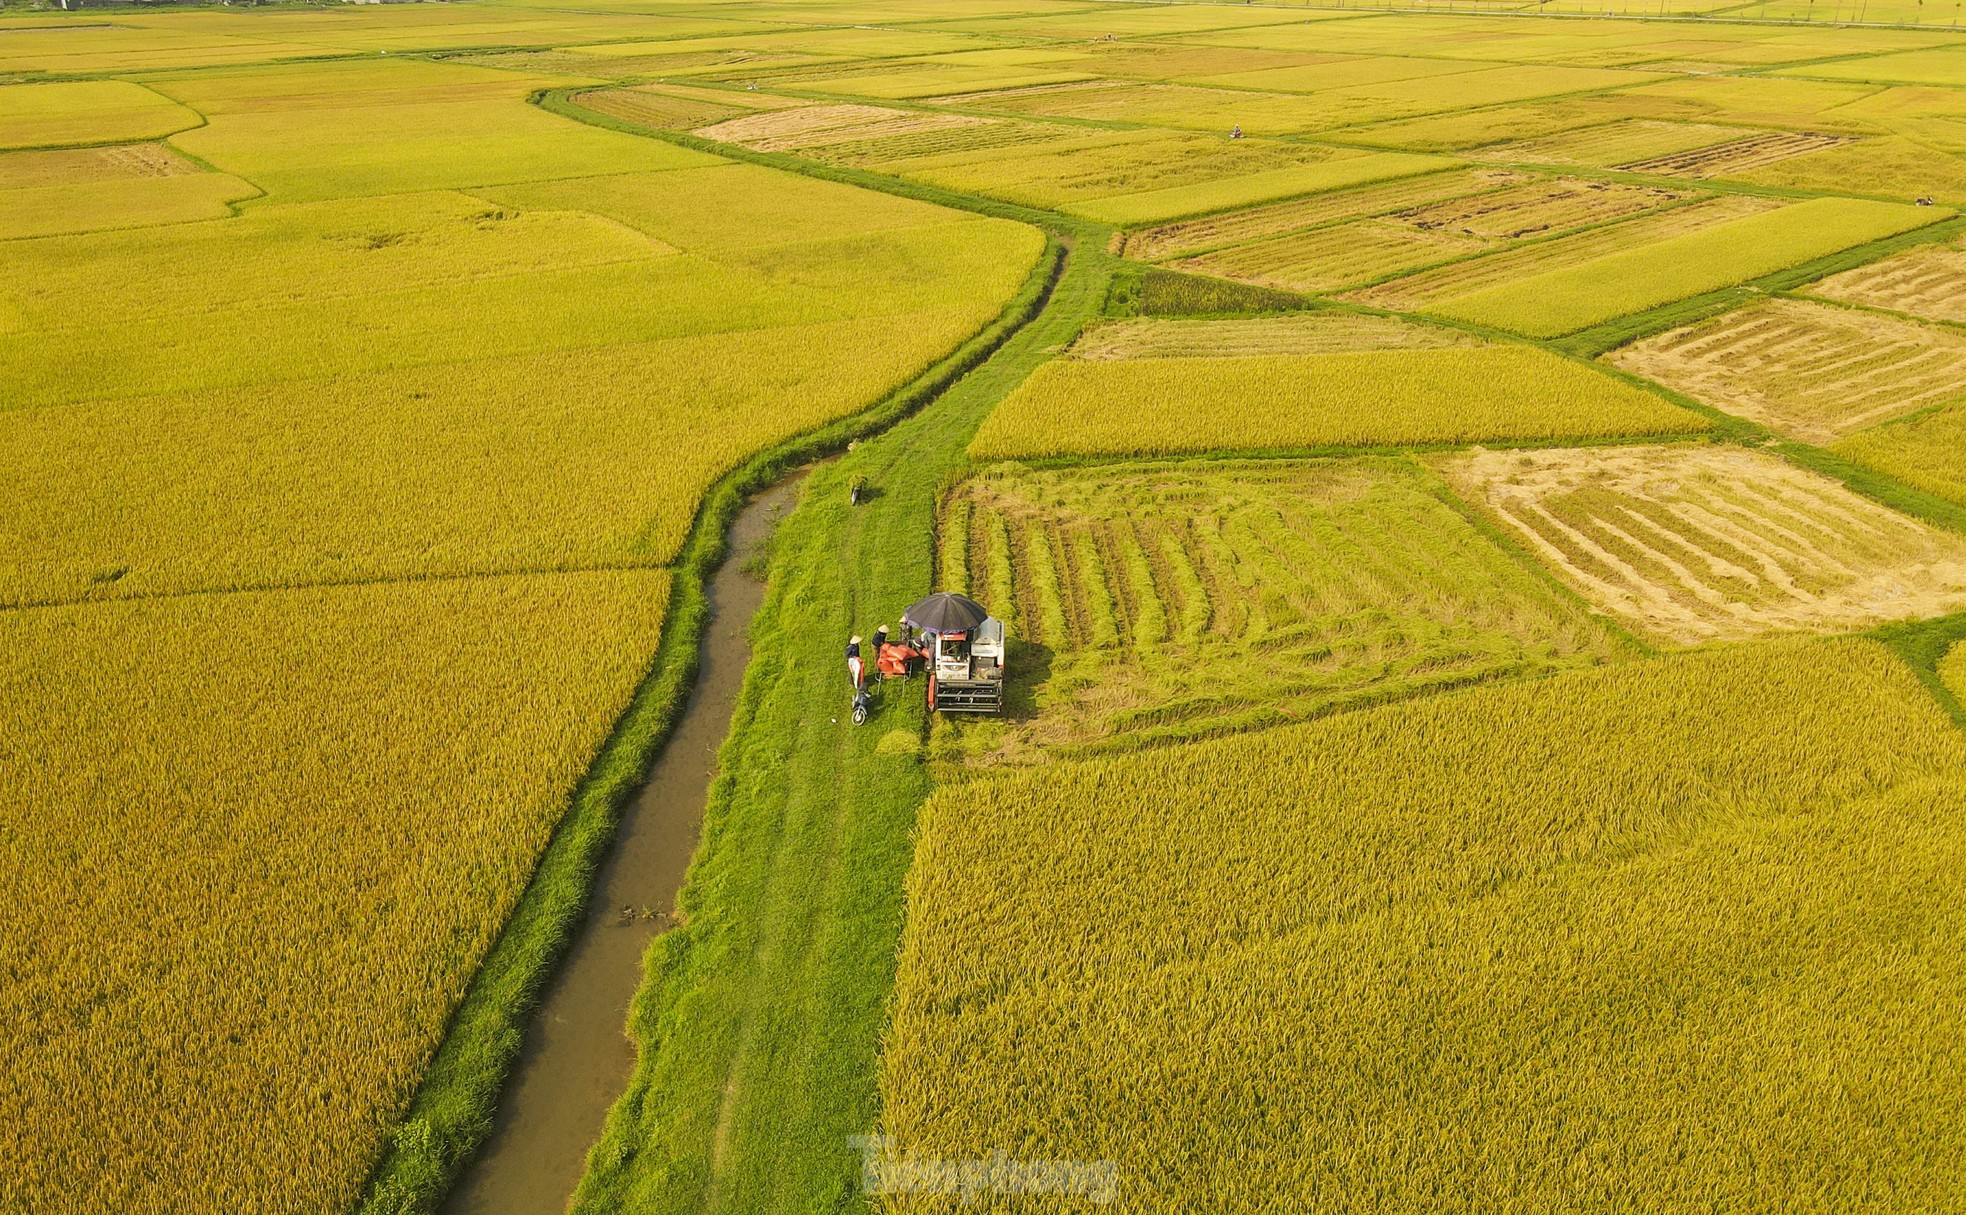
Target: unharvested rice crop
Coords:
[[1372, 398], [1141, 177], [1943, 65], [1316, 210], [1893, 167], [1564, 301], [86, 111], [509, 463], [1928, 281], [1417, 291], [1952, 670], [1694, 544], [1333, 258], [1664, 936], [1173, 601], [1297, 333], [578, 303], [1331, 72], [1353, 105], [1005, 99], [903, 81], [1178, 106], [255, 847], [304, 132], [500, 464], [1813, 371], [1928, 451], [53, 210]]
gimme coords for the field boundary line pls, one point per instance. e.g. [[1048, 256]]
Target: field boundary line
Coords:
[[274, 588]]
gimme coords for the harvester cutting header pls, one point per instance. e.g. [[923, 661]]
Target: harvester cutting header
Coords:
[[952, 638]]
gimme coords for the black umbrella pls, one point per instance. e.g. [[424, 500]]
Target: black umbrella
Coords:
[[945, 612]]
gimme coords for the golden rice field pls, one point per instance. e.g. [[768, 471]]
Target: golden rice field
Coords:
[[86, 112], [1143, 176], [1370, 398], [1364, 251], [1927, 451], [1563, 301], [1442, 770], [1807, 370], [349, 433], [1698, 543], [240, 918], [1607, 144], [1157, 603], [1600, 939], [375, 425], [1311, 211], [1423, 290], [1952, 669]]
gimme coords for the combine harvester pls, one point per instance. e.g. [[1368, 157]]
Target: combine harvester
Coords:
[[963, 649]]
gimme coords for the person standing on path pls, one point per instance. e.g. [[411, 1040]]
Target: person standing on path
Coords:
[[854, 669]]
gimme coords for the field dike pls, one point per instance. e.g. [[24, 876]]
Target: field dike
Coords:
[[455, 1110]]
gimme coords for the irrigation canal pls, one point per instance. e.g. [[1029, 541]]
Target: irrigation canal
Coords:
[[577, 1057]]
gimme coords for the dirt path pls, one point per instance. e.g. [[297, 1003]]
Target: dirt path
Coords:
[[577, 1056]]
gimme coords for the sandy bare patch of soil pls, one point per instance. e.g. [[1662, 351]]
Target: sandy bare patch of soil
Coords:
[[1813, 371], [1688, 544]]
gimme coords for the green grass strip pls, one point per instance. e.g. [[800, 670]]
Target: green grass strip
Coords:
[[1923, 644]]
